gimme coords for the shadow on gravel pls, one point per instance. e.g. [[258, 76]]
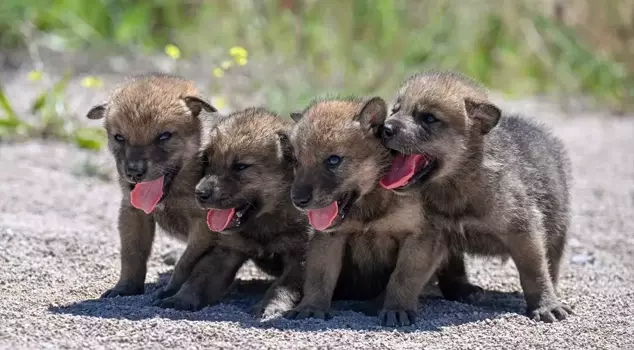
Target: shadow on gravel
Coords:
[[434, 313]]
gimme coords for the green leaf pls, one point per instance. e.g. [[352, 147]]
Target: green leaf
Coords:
[[134, 23], [9, 123], [39, 102], [61, 85], [6, 106], [90, 138], [55, 93]]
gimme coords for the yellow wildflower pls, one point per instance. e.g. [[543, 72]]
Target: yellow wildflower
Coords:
[[34, 75], [172, 51], [92, 82], [238, 51], [241, 61], [218, 72], [226, 64], [220, 102]]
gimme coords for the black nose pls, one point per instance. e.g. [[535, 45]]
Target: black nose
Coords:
[[387, 131], [136, 170], [302, 197], [203, 194]]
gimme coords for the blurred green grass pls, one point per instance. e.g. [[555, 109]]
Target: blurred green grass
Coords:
[[523, 47]]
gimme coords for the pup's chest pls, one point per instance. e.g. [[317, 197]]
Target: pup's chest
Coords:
[[174, 223], [481, 236], [404, 217], [265, 247], [375, 244], [371, 250], [176, 217]]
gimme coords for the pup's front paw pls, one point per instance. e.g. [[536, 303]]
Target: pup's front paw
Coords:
[[550, 313], [165, 293], [463, 292], [260, 310], [172, 256], [122, 291], [308, 311], [397, 318], [179, 303]]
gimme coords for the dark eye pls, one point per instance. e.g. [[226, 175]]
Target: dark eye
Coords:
[[165, 136], [333, 161], [428, 117], [119, 138], [204, 159], [396, 108], [240, 166]]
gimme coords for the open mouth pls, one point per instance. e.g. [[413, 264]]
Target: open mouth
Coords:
[[147, 195], [408, 169], [220, 220], [332, 215]]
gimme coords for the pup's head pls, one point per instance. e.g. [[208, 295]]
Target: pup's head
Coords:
[[248, 170], [153, 125], [437, 121], [338, 157]]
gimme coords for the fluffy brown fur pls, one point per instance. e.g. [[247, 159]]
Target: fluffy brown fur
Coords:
[[492, 184], [154, 124], [249, 170], [374, 247]]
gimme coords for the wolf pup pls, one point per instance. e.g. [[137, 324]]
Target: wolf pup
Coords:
[[154, 124], [370, 244], [246, 190], [491, 190]]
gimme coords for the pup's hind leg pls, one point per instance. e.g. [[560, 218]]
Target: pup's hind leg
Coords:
[[208, 282], [453, 281], [199, 240], [529, 254], [285, 292], [555, 249]]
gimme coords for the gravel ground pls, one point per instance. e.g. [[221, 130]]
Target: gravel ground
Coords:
[[59, 252]]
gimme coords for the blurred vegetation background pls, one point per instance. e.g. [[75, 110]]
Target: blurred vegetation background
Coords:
[[292, 50]]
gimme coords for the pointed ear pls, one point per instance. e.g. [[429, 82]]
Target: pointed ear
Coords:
[[488, 115], [373, 112], [285, 146], [96, 112], [296, 116], [197, 105]]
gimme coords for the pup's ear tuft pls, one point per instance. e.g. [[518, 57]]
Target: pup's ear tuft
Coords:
[[285, 147], [487, 114], [197, 105], [296, 116], [96, 112], [373, 113]]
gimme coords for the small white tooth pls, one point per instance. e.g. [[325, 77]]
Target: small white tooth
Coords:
[[239, 214]]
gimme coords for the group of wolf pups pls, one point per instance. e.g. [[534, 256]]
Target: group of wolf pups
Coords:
[[348, 199]]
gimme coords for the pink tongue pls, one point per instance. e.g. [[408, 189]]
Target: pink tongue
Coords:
[[322, 218], [146, 195], [219, 219], [402, 170]]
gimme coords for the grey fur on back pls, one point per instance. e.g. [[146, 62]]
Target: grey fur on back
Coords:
[[526, 148]]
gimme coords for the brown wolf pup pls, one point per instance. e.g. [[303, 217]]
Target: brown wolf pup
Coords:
[[370, 243], [246, 190], [492, 184], [154, 124]]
